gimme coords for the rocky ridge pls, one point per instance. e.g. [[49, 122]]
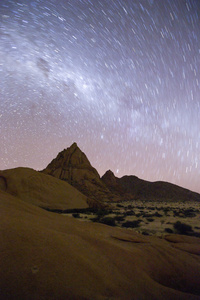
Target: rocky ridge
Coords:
[[73, 166], [132, 187]]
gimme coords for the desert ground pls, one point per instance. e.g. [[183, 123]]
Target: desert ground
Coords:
[[49, 255], [46, 255], [149, 217]]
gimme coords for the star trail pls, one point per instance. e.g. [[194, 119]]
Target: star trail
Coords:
[[120, 78]]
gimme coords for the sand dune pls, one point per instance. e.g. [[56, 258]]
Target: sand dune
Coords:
[[48, 256]]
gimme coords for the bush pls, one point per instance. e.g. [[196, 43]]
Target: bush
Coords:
[[76, 215], [168, 230], [131, 224], [130, 206], [157, 215], [189, 213], [102, 212], [138, 215], [176, 213], [129, 213], [150, 219], [119, 205], [108, 221], [151, 208], [95, 219], [182, 228], [145, 233], [119, 218]]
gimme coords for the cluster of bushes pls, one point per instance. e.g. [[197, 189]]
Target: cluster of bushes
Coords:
[[180, 228], [129, 213], [185, 213], [101, 216], [147, 215]]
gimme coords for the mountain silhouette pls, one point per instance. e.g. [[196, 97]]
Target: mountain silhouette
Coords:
[[73, 166]]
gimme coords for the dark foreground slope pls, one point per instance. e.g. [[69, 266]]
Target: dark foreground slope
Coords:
[[48, 256]]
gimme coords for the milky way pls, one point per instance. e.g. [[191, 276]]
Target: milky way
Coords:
[[121, 78]]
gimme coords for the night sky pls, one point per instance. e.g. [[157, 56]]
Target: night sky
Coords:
[[119, 77]]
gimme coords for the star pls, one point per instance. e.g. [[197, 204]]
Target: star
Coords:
[[120, 78]]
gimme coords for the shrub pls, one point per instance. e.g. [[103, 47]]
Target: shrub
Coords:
[[140, 207], [76, 215], [102, 212], [157, 214], [182, 228], [176, 213], [119, 218], [130, 206], [189, 213], [145, 233], [95, 219], [168, 230], [166, 210], [108, 221], [150, 219], [151, 208], [131, 224], [138, 215], [129, 213]]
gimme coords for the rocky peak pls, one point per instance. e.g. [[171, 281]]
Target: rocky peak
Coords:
[[109, 178], [71, 157], [73, 166]]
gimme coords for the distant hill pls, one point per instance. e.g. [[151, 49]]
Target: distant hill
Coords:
[[134, 187]]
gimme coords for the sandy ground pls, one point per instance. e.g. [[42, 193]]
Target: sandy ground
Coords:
[[44, 255]]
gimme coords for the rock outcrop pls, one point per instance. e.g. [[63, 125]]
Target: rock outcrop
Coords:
[[113, 184], [72, 166], [42, 190]]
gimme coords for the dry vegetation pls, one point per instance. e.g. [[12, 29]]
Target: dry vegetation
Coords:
[[148, 218]]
